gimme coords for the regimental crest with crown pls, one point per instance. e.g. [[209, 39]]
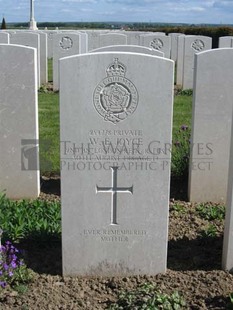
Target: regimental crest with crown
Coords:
[[115, 97]]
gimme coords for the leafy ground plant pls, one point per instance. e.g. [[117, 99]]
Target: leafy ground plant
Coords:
[[185, 92], [210, 231], [13, 271], [29, 219], [210, 213], [146, 297], [230, 303], [178, 208]]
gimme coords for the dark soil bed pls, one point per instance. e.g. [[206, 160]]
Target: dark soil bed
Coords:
[[194, 268]]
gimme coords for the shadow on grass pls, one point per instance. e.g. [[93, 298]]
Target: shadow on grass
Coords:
[[42, 253], [198, 254]]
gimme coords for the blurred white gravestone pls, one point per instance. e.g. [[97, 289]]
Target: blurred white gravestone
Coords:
[[43, 58], [93, 39], [115, 155], [28, 39], [83, 39], [211, 126], [19, 155], [227, 254], [133, 37], [158, 42], [129, 48], [50, 34], [112, 39], [174, 44], [4, 38], [226, 41], [192, 46], [64, 44], [180, 60]]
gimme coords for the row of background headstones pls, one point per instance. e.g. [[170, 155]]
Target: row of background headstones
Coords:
[[211, 135], [187, 41], [176, 46], [61, 44]]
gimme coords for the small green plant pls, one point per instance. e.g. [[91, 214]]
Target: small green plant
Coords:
[[210, 231], [178, 208], [185, 92], [13, 271], [25, 218], [230, 302], [43, 89], [181, 152], [146, 297], [209, 212]]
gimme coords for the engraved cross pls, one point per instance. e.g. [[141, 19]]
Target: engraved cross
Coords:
[[114, 190]]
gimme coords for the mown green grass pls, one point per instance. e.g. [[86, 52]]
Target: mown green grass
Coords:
[[182, 112], [49, 130]]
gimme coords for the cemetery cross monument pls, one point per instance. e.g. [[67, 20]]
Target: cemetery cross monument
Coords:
[[32, 24]]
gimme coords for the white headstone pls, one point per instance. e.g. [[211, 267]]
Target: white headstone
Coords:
[[225, 42], [133, 37], [211, 126], [174, 44], [129, 48], [159, 42], [50, 34], [227, 254], [193, 45], [93, 40], [4, 38], [28, 39], [83, 39], [43, 57], [64, 44], [159, 33], [112, 39], [180, 60], [116, 115], [19, 158], [84, 42]]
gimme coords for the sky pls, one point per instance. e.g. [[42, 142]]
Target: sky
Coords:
[[167, 11]]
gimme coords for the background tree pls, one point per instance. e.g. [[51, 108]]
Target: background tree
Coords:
[[3, 26]]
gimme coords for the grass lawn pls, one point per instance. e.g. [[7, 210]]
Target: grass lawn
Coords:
[[182, 113], [49, 132]]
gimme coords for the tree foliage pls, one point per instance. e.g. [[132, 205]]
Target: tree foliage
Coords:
[[3, 26]]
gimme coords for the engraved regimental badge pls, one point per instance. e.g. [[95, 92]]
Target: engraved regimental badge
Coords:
[[115, 97], [198, 45], [156, 44]]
